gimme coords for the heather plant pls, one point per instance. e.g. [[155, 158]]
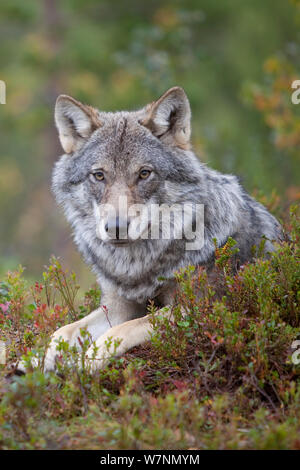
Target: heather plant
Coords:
[[218, 371]]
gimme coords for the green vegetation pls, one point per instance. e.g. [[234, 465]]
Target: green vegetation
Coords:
[[219, 376], [235, 59], [222, 375]]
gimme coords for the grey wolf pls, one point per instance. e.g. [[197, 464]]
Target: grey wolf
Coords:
[[144, 156]]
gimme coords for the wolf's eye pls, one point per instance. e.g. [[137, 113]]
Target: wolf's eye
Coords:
[[144, 174], [99, 175]]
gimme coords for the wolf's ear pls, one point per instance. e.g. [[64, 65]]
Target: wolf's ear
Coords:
[[75, 122], [169, 118]]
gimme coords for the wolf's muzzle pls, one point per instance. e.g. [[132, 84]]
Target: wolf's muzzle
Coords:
[[117, 228]]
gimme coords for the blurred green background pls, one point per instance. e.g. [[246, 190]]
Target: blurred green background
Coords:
[[236, 60]]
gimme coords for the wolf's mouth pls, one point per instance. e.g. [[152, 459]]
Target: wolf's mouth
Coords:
[[119, 242]]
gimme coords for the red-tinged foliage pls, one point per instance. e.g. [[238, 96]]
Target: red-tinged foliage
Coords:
[[222, 364]]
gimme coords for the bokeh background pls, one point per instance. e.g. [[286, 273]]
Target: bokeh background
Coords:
[[236, 60]]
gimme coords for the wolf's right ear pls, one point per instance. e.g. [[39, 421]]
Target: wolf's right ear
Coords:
[[75, 122]]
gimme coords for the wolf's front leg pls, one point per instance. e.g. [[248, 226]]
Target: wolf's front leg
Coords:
[[119, 339], [95, 323], [114, 310]]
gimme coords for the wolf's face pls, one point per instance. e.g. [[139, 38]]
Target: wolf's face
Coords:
[[118, 165]]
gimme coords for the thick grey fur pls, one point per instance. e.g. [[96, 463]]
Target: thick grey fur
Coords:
[[122, 144]]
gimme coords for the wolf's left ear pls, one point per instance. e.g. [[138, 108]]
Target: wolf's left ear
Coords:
[[169, 118], [75, 122]]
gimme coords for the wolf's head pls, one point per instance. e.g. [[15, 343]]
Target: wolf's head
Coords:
[[118, 164]]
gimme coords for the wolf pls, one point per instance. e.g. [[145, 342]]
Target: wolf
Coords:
[[144, 156]]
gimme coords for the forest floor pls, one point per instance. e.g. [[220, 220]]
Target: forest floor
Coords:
[[223, 376]]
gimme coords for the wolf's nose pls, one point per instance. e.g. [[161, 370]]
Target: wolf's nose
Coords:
[[117, 228]]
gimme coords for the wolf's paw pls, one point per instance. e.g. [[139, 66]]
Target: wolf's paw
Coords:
[[115, 342], [22, 367], [100, 360]]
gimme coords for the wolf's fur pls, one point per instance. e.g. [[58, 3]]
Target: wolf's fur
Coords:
[[156, 137]]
